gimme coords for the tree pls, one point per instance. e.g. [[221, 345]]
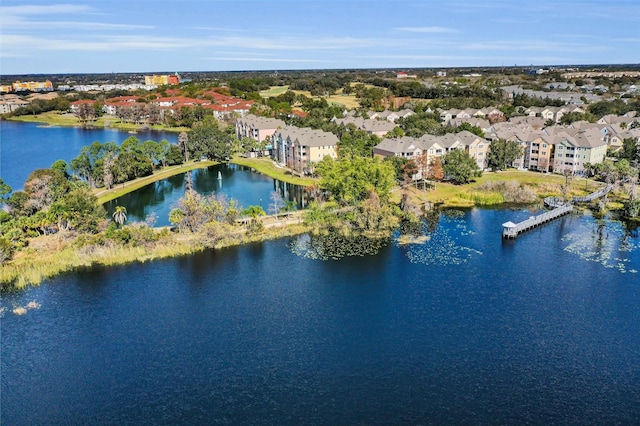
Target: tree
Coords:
[[350, 179], [120, 215], [84, 212], [409, 170], [630, 150], [151, 149], [207, 140], [469, 128], [435, 171], [503, 153], [356, 142], [276, 203], [175, 156], [82, 166], [183, 144], [4, 189], [398, 165], [397, 132], [45, 186], [460, 166], [85, 111], [190, 212], [254, 212], [61, 166]]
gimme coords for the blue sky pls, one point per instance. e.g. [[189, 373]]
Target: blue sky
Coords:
[[217, 35]]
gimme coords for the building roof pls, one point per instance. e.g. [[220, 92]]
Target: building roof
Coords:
[[308, 137], [261, 123]]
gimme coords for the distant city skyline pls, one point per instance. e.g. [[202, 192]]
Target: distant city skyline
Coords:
[[44, 37]]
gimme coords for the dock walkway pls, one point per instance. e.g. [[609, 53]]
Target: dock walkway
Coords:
[[559, 208], [511, 230]]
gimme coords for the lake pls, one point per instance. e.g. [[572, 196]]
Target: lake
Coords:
[[25, 147], [29, 146], [240, 183], [464, 329]]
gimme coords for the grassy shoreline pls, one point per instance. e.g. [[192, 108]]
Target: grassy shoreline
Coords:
[[106, 195], [451, 195], [51, 255], [269, 168], [58, 119], [264, 166]]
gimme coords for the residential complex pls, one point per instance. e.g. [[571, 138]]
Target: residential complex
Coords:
[[301, 148], [24, 86], [162, 80]]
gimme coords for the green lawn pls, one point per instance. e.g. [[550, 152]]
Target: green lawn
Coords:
[[544, 185], [274, 91], [268, 167], [347, 101]]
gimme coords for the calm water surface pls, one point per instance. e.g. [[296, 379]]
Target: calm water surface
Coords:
[[234, 182], [25, 147], [464, 329]]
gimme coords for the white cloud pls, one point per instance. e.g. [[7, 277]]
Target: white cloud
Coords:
[[136, 42], [43, 10], [430, 30], [21, 17], [264, 59]]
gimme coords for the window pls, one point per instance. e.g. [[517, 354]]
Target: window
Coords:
[[544, 145]]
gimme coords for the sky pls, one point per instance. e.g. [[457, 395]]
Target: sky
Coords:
[[95, 36]]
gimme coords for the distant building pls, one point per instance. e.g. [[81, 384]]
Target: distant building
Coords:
[[402, 74], [33, 86], [162, 80], [10, 103], [441, 74]]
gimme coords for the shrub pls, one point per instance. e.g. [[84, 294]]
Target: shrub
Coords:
[[631, 209], [511, 192], [6, 250]]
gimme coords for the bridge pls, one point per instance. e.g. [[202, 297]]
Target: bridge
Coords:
[[559, 208]]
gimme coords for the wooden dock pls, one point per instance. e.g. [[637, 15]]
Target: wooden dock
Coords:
[[589, 198], [512, 230], [560, 208]]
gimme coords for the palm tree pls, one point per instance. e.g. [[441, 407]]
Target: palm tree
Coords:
[[253, 212], [120, 215]]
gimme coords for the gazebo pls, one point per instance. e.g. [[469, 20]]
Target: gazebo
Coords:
[[508, 229]]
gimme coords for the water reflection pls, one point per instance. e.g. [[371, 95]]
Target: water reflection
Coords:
[[603, 241], [243, 184], [334, 246]]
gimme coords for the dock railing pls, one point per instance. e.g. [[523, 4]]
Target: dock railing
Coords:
[[511, 230], [560, 208]]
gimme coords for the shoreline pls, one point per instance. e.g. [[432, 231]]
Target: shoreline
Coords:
[[265, 166], [49, 256], [105, 195], [57, 119]]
